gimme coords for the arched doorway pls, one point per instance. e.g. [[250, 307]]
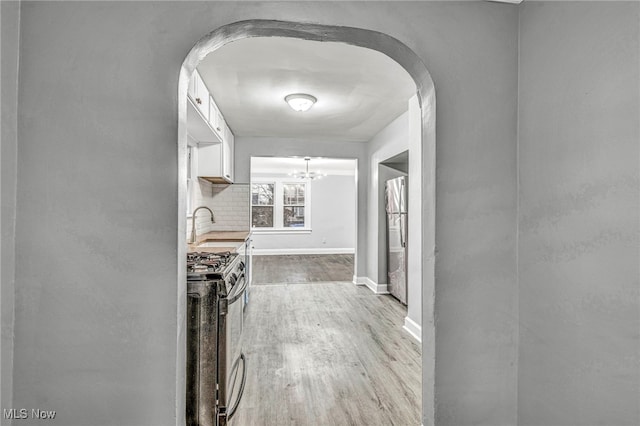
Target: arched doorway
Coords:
[[426, 97]]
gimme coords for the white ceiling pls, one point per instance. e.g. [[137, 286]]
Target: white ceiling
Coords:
[[359, 90], [282, 166]]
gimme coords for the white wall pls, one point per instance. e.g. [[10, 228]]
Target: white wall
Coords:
[[245, 148], [333, 222]]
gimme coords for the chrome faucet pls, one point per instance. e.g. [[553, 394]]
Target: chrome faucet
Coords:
[[193, 222]]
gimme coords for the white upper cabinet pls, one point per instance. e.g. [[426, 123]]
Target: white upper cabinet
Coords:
[[198, 110], [198, 128], [215, 160], [199, 94], [206, 124]]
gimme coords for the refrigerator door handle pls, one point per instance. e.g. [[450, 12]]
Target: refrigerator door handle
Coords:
[[403, 216]]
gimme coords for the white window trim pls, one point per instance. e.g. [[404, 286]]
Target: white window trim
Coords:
[[282, 231], [278, 207], [251, 205]]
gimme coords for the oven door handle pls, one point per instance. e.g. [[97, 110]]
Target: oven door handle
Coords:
[[234, 406], [238, 289]]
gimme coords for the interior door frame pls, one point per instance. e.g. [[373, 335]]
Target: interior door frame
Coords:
[[374, 40]]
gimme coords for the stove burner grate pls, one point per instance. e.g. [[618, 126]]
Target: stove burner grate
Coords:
[[208, 262]]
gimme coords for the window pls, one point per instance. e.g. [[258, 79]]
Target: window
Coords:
[[262, 195], [293, 205], [279, 205]]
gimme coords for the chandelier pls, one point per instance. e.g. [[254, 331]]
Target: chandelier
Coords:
[[307, 174]]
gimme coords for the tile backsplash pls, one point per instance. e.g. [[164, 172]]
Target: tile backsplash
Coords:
[[230, 205]]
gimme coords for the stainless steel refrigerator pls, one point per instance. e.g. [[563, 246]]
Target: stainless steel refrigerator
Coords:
[[396, 206]]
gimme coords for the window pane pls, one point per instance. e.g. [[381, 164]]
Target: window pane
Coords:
[[262, 217], [289, 191], [293, 217], [262, 194], [293, 193]]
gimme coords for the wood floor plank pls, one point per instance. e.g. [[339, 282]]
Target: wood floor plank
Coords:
[[302, 268], [330, 353]]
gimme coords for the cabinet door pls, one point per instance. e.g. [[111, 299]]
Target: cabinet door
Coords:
[[209, 159], [227, 152], [202, 95], [215, 118], [213, 113]]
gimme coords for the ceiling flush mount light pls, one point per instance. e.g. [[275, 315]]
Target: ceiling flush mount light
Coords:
[[300, 101], [307, 174]]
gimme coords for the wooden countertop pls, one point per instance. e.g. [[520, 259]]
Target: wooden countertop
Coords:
[[234, 238]]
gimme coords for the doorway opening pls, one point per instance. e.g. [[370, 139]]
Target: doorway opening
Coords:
[[426, 99], [392, 261], [303, 219]]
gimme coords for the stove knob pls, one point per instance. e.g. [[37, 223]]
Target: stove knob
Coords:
[[241, 266]]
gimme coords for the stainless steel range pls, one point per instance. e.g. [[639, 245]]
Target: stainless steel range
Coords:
[[216, 366]]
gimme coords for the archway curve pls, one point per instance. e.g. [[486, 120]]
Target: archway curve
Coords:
[[369, 39]]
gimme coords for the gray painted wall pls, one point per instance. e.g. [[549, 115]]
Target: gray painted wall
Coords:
[[474, 69], [578, 223], [389, 142], [97, 182], [397, 137], [10, 39], [95, 330]]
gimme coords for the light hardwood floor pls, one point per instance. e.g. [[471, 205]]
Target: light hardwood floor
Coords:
[[302, 268], [328, 353]]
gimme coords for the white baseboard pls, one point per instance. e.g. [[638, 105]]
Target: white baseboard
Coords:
[[413, 328], [372, 285], [294, 251], [359, 280]]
